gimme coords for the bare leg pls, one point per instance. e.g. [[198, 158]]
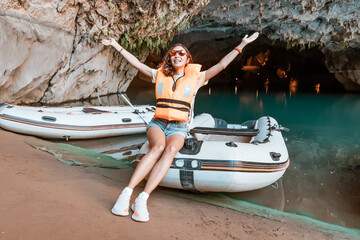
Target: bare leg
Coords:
[[173, 144], [156, 139]]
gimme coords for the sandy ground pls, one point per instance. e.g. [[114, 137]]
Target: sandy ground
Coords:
[[42, 198]]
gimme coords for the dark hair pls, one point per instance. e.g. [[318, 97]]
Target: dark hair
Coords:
[[168, 69]]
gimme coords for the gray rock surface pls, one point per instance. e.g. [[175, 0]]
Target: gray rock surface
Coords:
[[346, 67], [51, 51]]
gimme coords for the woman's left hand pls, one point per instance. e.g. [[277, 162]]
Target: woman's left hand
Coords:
[[246, 40]]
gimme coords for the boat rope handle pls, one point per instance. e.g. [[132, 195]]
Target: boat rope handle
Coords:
[[128, 102], [97, 94]]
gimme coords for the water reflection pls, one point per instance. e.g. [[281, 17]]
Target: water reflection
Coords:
[[293, 85], [324, 180], [272, 196], [117, 147], [266, 85]]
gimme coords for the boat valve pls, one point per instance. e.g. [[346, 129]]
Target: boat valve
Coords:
[[231, 144], [194, 164], [282, 128], [179, 163], [279, 128]]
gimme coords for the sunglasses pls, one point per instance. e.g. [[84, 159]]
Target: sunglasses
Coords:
[[180, 52]]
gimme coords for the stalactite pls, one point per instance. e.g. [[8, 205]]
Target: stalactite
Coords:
[[303, 7]]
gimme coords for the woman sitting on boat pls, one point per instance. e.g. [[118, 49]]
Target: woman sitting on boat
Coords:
[[176, 83]]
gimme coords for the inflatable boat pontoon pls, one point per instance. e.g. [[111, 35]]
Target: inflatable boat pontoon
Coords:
[[225, 157], [75, 122]]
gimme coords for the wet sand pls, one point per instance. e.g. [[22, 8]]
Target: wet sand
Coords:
[[42, 198]]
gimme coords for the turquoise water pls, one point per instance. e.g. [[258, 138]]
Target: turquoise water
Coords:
[[323, 180]]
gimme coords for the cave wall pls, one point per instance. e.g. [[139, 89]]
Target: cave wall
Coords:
[[346, 67], [51, 50]]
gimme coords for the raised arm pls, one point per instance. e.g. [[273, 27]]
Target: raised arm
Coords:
[[211, 72], [146, 70]]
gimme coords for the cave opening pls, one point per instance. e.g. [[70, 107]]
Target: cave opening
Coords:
[[273, 67], [262, 65]]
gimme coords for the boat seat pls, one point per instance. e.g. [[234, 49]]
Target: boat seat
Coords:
[[225, 131]]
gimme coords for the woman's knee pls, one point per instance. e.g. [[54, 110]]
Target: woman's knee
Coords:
[[172, 149], [158, 148]]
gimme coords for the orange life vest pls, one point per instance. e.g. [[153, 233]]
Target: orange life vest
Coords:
[[176, 105]]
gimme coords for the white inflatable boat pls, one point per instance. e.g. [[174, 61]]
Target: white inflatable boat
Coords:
[[223, 157], [75, 122]]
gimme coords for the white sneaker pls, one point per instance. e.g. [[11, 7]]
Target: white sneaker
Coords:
[[139, 208], [121, 207]]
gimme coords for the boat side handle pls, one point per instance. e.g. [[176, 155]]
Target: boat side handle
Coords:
[[49, 118], [275, 156]]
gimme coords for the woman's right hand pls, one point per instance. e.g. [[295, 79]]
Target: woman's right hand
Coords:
[[108, 42], [144, 69]]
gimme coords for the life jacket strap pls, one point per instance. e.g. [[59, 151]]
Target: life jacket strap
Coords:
[[167, 100], [158, 105]]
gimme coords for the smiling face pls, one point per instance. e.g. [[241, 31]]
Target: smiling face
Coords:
[[178, 57], [175, 60]]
